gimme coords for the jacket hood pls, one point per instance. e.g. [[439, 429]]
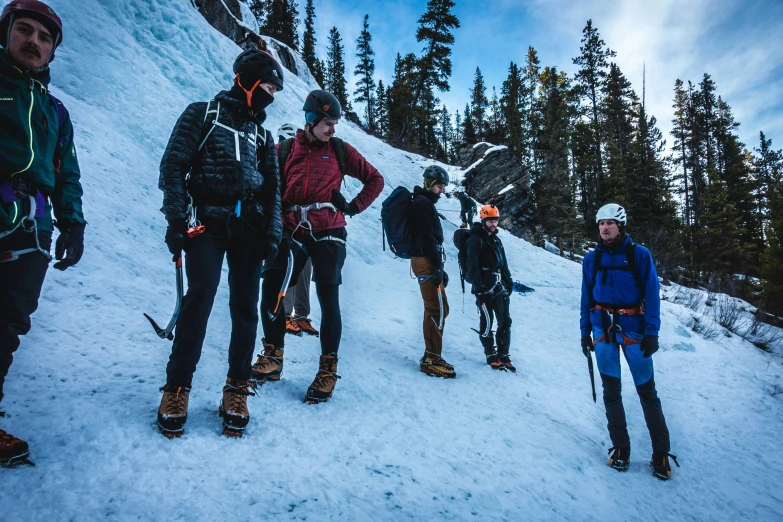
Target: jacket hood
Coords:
[[7, 65], [604, 248], [239, 106]]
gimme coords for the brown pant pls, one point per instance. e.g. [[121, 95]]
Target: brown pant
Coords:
[[433, 338]]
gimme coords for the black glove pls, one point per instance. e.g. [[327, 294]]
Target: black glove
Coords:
[[440, 277], [176, 234], [587, 345], [268, 249], [338, 200], [649, 345], [70, 245]]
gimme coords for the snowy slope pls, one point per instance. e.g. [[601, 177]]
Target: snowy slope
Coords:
[[392, 444]]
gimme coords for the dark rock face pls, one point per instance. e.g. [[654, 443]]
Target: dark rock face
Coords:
[[496, 177], [225, 21]]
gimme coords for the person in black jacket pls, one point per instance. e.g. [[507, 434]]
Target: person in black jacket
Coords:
[[467, 209], [221, 198], [427, 265], [492, 286]]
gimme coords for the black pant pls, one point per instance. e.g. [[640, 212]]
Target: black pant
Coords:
[[497, 308], [204, 255], [467, 216], [651, 406], [328, 258], [20, 288]]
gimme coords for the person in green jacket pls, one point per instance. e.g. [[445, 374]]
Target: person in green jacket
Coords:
[[39, 173]]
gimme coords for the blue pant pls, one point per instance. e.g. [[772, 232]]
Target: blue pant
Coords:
[[607, 355]]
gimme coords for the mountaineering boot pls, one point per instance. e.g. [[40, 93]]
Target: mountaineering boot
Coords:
[[292, 327], [173, 411], [464, 225], [325, 380], [494, 361], [505, 360], [268, 367], [621, 457], [435, 365], [660, 465], [233, 407], [13, 451], [306, 326]]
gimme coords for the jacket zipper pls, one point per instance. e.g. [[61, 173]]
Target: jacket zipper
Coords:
[[29, 128]]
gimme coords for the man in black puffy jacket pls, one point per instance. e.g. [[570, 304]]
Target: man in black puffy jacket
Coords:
[[492, 285], [221, 198]]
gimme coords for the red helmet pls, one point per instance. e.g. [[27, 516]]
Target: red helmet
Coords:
[[489, 212], [31, 9]]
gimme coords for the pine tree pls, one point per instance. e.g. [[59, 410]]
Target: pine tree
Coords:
[[478, 106], [281, 21], [772, 269], [258, 8], [365, 69], [335, 70], [681, 130], [381, 111], [309, 40], [768, 169], [468, 130], [616, 113], [445, 134], [435, 30], [319, 72], [531, 122], [593, 62], [399, 95], [512, 100], [458, 139], [496, 132]]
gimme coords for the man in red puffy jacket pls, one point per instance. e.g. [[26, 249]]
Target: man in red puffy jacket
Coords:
[[314, 210]]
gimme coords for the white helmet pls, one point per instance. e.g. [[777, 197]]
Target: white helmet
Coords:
[[612, 211], [286, 130]]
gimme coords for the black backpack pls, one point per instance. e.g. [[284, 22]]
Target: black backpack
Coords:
[[394, 219], [461, 236]]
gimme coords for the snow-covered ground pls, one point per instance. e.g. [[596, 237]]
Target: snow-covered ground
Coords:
[[392, 443]]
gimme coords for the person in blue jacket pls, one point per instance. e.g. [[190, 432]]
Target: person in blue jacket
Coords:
[[620, 308]]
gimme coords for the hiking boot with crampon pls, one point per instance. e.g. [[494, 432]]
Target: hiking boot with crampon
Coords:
[[494, 361], [621, 457], [13, 451], [505, 360], [233, 407], [292, 327], [325, 380], [306, 326], [173, 411], [269, 366], [660, 465], [437, 367]]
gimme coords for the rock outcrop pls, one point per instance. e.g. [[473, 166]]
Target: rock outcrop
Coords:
[[494, 176]]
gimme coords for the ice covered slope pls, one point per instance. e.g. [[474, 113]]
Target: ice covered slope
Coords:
[[392, 444]]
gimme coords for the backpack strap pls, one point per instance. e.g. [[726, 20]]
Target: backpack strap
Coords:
[[630, 250], [213, 108], [62, 136], [339, 152]]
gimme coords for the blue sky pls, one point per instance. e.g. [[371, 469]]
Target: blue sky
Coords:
[[737, 42]]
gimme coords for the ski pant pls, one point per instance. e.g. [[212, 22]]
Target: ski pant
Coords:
[[299, 300], [607, 355], [20, 287], [328, 257], [433, 338], [467, 216], [496, 307], [240, 245]]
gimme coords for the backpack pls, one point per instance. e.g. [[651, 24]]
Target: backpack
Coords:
[[630, 249], [394, 220], [62, 136], [461, 236]]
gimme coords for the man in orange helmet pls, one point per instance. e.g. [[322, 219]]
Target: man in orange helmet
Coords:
[[492, 285]]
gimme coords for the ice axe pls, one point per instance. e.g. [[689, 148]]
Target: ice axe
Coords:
[[592, 374], [289, 270], [168, 332]]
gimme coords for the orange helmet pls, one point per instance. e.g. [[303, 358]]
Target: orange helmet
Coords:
[[489, 212]]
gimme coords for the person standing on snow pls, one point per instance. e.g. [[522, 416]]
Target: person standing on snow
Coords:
[[314, 210], [297, 303], [219, 171], [38, 169], [427, 265], [467, 209], [620, 307], [492, 284]]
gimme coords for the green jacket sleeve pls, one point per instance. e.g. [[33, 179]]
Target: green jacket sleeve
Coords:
[[67, 195]]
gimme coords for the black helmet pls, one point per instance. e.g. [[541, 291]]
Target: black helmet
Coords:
[[324, 104], [260, 64], [436, 173]]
